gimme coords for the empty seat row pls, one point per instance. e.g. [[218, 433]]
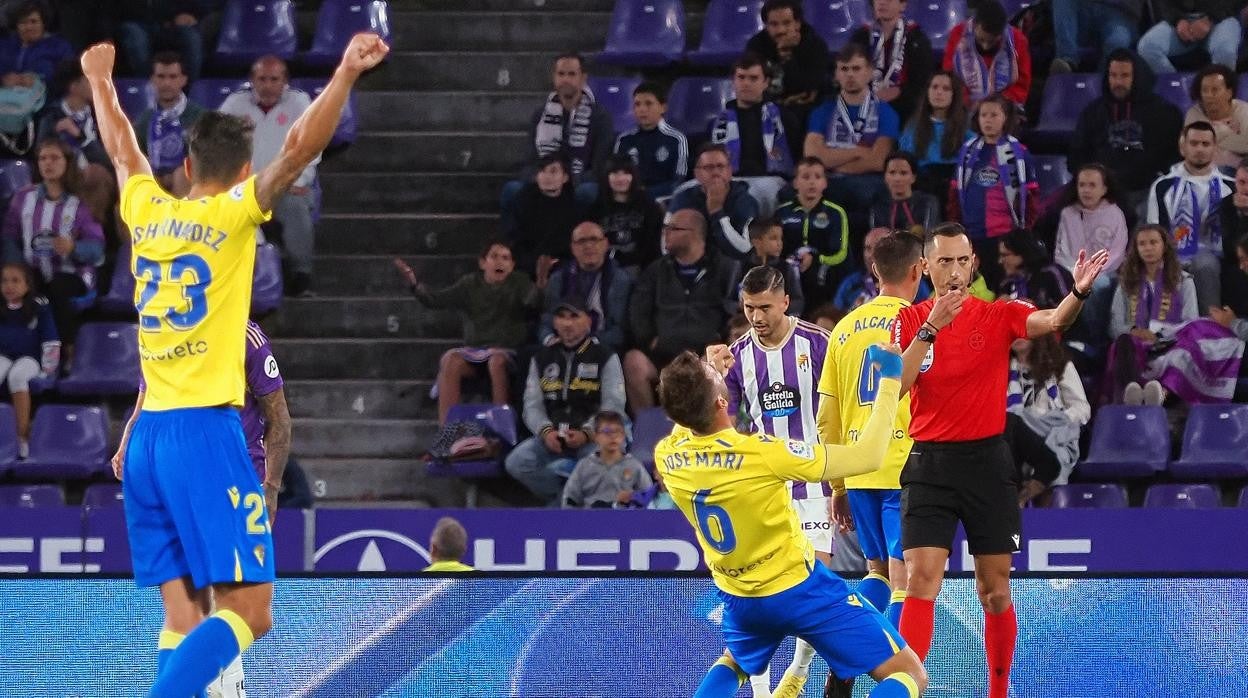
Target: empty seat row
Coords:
[[102, 495], [1134, 441], [1161, 496], [254, 28], [67, 442]]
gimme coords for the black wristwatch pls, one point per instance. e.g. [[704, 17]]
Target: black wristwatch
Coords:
[[926, 335]]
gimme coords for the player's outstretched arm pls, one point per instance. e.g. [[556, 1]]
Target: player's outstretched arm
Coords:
[[115, 131], [867, 453], [311, 132]]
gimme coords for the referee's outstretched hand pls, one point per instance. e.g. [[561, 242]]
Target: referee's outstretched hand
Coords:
[[1088, 268], [886, 358]]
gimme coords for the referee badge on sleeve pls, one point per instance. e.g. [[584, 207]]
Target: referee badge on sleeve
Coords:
[[928, 359]]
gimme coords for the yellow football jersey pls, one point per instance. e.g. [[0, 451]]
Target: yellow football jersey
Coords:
[[732, 488], [192, 262], [847, 377]]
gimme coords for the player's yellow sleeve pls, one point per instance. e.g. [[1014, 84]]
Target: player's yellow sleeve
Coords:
[[827, 379], [245, 192], [867, 454], [139, 190], [828, 420]]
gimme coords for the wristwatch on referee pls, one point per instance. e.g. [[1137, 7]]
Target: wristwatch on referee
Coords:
[[926, 335]]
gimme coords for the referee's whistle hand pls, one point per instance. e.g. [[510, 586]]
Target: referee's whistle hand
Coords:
[[946, 308]]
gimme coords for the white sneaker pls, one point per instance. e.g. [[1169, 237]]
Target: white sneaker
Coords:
[[23, 449], [1133, 394], [230, 683], [1154, 394]]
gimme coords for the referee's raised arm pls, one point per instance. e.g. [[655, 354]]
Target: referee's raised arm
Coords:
[[312, 131], [116, 133]]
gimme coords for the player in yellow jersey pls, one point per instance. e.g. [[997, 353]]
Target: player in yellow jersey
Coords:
[[848, 385], [196, 513], [732, 489]]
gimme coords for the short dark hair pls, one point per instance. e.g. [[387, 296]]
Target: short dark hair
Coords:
[[552, 158], [851, 51], [894, 254], [220, 145], [810, 161], [762, 279], [168, 58], [1228, 77], [1024, 244], [945, 230], [711, 148], [772, 5], [906, 155], [687, 395], [491, 243], [748, 60], [24, 9], [571, 56], [650, 87], [608, 416], [991, 17], [450, 538], [1200, 126], [759, 228], [1121, 54]]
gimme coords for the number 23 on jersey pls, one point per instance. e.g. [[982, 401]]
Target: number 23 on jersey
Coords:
[[190, 275]]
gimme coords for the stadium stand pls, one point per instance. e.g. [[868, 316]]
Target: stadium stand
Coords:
[[67, 442], [102, 496], [616, 95], [835, 20], [1089, 496], [727, 25], [1182, 496], [337, 21], [1215, 443], [31, 496], [1127, 442], [645, 33], [254, 28]]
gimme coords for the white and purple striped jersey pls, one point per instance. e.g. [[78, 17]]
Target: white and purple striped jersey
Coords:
[[778, 389]]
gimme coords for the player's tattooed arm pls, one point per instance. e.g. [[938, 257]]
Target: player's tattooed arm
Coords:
[[276, 444]]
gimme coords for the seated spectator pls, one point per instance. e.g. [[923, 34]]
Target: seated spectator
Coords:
[[1091, 220], [568, 383], [680, 303], [631, 220], [29, 344], [447, 546], [609, 477], [272, 107], [1213, 101], [1190, 25], [545, 215], [49, 228], [1234, 236], [594, 277], [816, 233], [861, 285], [1109, 24], [31, 52], [1027, 272], [1186, 202], [660, 151], [723, 201], [161, 25], [1232, 317], [936, 132], [990, 56], [164, 130], [1161, 341], [1128, 128], [72, 120], [995, 190], [755, 133], [852, 134], [798, 57], [901, 54], [767, 238], [493, 303], [1046, 409], [573, 124], [906, 208]]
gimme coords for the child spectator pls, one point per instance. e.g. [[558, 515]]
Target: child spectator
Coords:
[[50, 229], [816, 232], [28, 343], [494, 304], [906, 209], [995, 189], [609, 477], [659, 150], [1091, 220], [72, 119], [631, 220], [767, 240], [936, 131], [545, 211]]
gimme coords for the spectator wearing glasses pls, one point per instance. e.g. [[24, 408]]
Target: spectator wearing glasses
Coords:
[[723, 201], [608, 477], [596, 278]]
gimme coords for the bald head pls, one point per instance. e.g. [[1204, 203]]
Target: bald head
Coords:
[[685, 234], [268, 78], [449, 541]]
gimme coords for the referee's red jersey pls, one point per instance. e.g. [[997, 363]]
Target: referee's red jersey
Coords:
[[959, 394]]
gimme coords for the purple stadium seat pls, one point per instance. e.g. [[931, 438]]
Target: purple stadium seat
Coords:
[[645, 32], [726, 27], [1175, 88], [209, 93], [1089, 496], [1243, 497], [103, 496], [14, 174], [652, 426], [8, 437], [1171, 496], [254, 28], [135, 95], [835, 20], [106, 360], [937, 18], [31, 496], [1065, 96], [499, 420], [120, 296], [1215, 443], [338, 20], [347, 122], [66, 442], [1127, 441], [1051, 173], [693, 102], [266, 282], [615, 94]]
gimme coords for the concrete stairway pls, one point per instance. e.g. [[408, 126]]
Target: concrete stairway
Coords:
[[442, 126]]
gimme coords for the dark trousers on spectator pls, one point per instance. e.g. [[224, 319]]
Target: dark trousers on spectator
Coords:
[[1028, 447], [61, 291]]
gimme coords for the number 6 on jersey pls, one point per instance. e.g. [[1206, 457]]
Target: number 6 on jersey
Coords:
[[713, 523]]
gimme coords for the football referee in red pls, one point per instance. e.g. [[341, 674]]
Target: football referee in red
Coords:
[[956, 365]]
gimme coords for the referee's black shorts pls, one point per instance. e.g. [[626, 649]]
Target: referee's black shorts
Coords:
[[969, 481]]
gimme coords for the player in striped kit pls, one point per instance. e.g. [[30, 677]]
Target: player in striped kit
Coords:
[[772, 372]]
